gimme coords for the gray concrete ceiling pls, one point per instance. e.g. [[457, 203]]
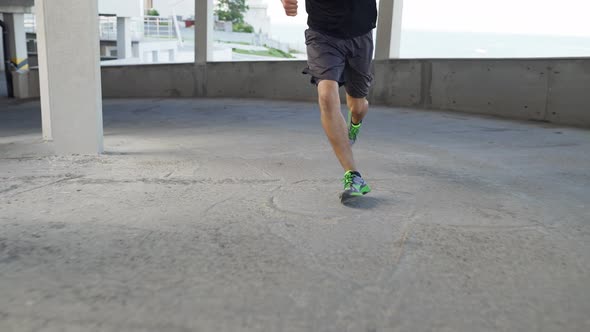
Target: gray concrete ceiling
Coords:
[[27, 3]]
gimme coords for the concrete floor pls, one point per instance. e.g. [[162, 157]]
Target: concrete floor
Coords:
[[222, 215]]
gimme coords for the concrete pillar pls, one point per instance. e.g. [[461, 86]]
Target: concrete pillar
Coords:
[[1, 43], [124, 38], [17, 47], [70, 74], [17, 43], [43, 73], [203, 31], [389, 29]]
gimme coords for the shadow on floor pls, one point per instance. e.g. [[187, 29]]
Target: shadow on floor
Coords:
[[367, 203]]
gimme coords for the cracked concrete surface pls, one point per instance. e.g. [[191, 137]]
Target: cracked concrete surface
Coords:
[[222, 215]]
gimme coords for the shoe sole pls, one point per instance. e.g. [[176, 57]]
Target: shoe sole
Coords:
[[346, 197]]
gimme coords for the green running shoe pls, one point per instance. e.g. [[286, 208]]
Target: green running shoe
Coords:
[[354, 186], [353, 130]]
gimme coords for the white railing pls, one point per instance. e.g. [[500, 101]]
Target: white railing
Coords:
[[30, 23], [107, 28], [147, 27], [156, 27]]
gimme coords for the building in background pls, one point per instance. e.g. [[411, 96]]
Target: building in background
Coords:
[[128, 8], [257, 16], [167, 8], [148, 4], [126, 33]]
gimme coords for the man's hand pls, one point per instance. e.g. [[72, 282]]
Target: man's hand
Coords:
[[290, 7]]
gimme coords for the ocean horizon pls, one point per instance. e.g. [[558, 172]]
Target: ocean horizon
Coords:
[[457, 44]]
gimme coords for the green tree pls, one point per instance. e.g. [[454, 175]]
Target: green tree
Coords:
[[153, 12], [242, 27], [231, 10]]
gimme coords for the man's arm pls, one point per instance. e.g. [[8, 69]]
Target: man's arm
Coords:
[[290, 7]]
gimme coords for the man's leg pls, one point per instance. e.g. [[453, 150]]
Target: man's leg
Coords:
[[358, 77], [358, 107], [334, 123]]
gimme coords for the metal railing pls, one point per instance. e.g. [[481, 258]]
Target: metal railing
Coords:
[[108, 28], [30, 23], [157, 27], [150, 27]]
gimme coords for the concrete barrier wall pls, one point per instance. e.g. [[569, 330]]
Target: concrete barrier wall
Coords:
[[568, 93], [553, 90], [166, 80], [269, 80], [398, 83], [503, 88]]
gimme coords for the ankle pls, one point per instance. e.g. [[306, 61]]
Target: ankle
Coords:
[[354, 172], [356, 118]]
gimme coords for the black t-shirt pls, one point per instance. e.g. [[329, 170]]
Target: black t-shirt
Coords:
[[341, 18]]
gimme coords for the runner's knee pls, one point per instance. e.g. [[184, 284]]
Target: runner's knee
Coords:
[[328, 95], [357, 105]]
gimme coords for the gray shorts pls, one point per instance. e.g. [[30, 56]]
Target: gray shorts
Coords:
[[346, 61]]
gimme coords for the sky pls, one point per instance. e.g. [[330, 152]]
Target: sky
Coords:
[[544, 17]]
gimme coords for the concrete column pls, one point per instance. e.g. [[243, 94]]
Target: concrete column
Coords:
[[43, 73], [124, 38], [70, 74], [1, 43], [203, 31], [389, 29], [17, 42]]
